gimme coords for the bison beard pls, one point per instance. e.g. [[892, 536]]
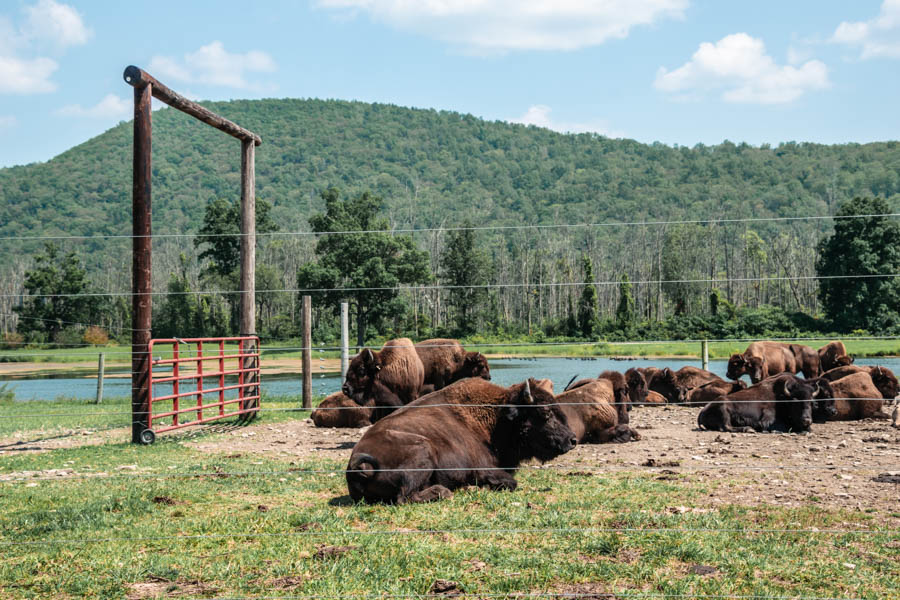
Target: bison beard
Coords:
[[450, 439]]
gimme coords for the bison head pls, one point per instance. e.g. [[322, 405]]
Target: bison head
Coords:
[[737, 366], [797, 396], [666, 383], [637, 386], [843, 360], [537, 426], [886, 382], [476, 365], [361, 374]]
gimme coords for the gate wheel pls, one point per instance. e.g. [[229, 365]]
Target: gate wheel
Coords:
[[148, 437]]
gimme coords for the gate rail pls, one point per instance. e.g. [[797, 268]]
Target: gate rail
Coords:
[[247, 387]]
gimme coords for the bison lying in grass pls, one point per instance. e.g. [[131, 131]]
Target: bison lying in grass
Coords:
[[589, 410], [337, 410], [780, 403], [471, 432]]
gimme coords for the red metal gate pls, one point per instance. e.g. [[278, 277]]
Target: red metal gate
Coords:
[[168, 412]]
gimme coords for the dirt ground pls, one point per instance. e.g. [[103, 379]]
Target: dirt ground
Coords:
[[853, 465]]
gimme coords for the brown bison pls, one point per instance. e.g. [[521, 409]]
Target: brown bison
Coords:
[[637, 387], [883, 378], [446, 361], [472, 432], [590, 414], [856, 397], [390, 378], [761, 360], [337, 410], [664, 382], [708, 392], [833, 355], [780, 403], [654, 398]]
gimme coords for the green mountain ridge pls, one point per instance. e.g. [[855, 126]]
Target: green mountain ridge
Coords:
[[432, 167]]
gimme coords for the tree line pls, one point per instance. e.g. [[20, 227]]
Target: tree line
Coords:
[[665, 281]]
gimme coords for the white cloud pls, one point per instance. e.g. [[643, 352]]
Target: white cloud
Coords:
[[539, 116], [876, 38], [55, 22], [492, 26], [7, 122], [739, 66], [26, 76], [213, 65], [111, 106]]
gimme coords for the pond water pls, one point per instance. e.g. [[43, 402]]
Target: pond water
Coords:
[[503, 372]]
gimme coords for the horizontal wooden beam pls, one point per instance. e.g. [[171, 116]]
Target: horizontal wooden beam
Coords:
[[139, 78]]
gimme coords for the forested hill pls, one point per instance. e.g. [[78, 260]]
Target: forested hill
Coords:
[[432, 167]]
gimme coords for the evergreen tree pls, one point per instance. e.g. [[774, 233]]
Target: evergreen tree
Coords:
[[221, 230], [376, 259], [61, 282], [625, 316], [587, 303], [464, 267], [861, 246]]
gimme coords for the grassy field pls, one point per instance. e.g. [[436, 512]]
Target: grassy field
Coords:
[[171, 520], [121, 354]]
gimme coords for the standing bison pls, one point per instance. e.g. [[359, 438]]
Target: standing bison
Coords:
[[446, 361], [833, 355], [390, 378], [766, 359], [469, 433]]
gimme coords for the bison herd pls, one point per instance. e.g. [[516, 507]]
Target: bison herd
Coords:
[[438, 423]]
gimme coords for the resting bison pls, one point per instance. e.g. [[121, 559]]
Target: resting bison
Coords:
[[711, 391], [637, 387], [833, 355], [761, 360], [664, 382], [389, 378], [780, 403], [856, 397], [446, 361], [590, 414], [450, 439], [654, 398], [337, 410], [883, 378]]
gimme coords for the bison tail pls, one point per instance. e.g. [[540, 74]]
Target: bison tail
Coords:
[[362, 466]]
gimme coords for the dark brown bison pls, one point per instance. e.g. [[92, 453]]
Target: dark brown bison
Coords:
[[883, 378], [664, 382], [390, 378], [704, 394], [856, 397], [590, 414], [472, 432], [761, 360], [446, 361], [337, 410], [621, 394], [637, 387], [833, 355], [780, 403]]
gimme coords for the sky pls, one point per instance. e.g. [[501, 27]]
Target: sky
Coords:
[[673, 71]]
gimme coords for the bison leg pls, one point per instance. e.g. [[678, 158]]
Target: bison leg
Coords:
[[429, 494], [496, 480]]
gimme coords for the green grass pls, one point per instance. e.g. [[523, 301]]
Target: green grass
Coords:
[[264, 529]]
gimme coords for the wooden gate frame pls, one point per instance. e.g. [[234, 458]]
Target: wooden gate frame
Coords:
[[145, 86]]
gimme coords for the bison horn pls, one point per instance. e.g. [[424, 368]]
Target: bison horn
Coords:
[[528, 398], [369, 356], [566, 389]]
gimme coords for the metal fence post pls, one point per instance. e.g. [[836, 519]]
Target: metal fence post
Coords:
[[307, 352], [345, 339], [704, 347]]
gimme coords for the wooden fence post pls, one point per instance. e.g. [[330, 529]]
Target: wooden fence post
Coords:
[[307, 352], [100, 369], [704, 347]]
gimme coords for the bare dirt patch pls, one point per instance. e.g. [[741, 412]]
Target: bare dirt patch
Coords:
[[35, 441], [847, 465], [163, 588]]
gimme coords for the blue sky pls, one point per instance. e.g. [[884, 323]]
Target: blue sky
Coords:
[[675, 71]]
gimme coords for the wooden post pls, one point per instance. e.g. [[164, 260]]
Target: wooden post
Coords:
[[100, 369], [248, 238], [345, 339], [307, 352], [141, 285], [704, 348]]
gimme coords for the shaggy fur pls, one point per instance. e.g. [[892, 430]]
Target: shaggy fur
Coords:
[[337, 410], [590, 415]]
